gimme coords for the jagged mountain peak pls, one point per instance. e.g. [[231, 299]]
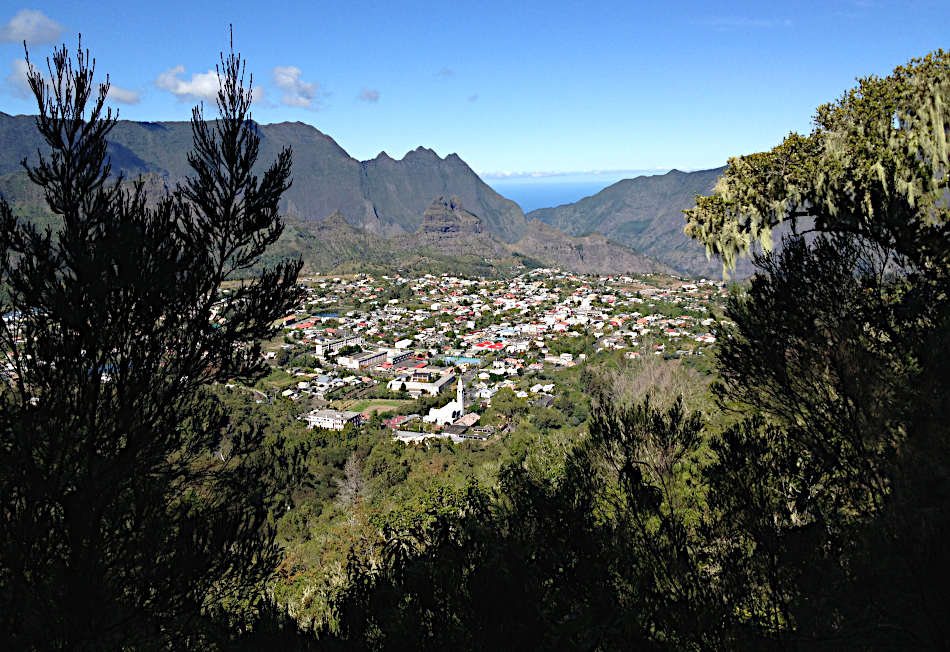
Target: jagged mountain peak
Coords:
[[336, 218], [382, 195], [422, 154], [383, 157]]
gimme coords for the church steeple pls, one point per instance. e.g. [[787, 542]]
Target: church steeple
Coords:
[[460, 397]]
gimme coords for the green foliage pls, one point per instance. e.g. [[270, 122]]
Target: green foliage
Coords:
[[830, 487], [841, 380], [703, 362], [547, 419], [134, 515], [505, 402], [462, 570], [573, 345], [303, 360], [352, 349], [875, 165]]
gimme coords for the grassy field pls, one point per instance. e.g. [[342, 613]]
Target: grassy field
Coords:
[[375, 405]]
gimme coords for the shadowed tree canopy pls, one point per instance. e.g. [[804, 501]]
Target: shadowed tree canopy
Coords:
[[834, 486], [133, 516]]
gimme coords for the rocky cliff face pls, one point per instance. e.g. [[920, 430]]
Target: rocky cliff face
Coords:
[[590, 254], [451, 230], [401, 191]]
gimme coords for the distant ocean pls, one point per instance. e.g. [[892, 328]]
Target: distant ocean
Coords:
[[548, 192]]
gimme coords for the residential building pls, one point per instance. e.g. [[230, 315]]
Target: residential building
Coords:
[[332, 419], [362, 360], [325, 347]]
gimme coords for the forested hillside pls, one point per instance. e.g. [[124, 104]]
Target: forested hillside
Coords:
[[450, 233], [646, 214]]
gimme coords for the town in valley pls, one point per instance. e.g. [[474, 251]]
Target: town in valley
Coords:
[[361, 345]]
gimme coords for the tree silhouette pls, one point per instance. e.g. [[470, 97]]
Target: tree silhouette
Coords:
[[834, 487], [133, 517]]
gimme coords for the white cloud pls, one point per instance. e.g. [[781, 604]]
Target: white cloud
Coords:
[[472, 98], [367, 95], [259, 96], [31, 26], [17, 79], [123, 96], [294, 91], [202, 86], [19, 85]]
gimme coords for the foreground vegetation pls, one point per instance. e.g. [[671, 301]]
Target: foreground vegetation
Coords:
[[795, 497]]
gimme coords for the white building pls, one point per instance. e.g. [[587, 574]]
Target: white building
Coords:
[[396, 355], [332, 419], [416, 385], [448, 414], [325, 347], [362, 360]]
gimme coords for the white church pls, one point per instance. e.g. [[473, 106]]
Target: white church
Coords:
[[448, 414]]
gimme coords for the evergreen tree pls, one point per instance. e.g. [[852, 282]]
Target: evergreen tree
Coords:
[[834, 489], [133, 516]]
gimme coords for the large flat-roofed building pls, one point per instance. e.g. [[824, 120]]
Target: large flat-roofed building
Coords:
[[325, 347], [332, 419], [407, 383], [395, 355], [363, 360]]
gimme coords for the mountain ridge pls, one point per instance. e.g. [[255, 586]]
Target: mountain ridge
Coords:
[[389, 198], [646, 214], [384, 195]]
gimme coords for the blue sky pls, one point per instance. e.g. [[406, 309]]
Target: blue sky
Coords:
[[510, 85]]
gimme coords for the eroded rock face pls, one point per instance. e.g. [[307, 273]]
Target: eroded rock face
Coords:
[[450, 229], [589, 254], [448, 216]]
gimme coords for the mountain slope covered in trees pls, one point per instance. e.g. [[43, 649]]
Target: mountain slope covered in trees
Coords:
[[645, 214], [449, 231]]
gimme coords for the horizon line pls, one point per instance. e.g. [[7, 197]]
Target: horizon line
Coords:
[[544, 174]]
